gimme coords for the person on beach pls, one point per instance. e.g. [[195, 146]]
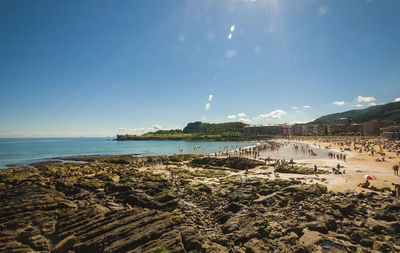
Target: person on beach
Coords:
[[338, 167], [315, 169], [365, 185], [396, 170]]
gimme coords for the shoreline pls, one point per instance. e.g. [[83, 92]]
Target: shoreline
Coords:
[[191, 203], [355, 166], [21, 162]]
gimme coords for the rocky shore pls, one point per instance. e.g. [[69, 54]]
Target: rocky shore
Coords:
[[110, 204]]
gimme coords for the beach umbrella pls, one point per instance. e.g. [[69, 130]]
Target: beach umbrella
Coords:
[[369, 177]]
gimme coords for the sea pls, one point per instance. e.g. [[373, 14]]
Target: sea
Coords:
[[23, 151]]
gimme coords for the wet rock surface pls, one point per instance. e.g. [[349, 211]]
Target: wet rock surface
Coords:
[[231, 162], [108, 206]]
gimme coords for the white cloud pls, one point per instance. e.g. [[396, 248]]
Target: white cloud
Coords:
[[230, 36], [362, 99], [307, 106], [244, 120], [338, 102], [322, 11], [157, 127], [294, 107], [272, 115], [396, 100], [232, 28], [207, 107], [230, 53], [301, 122], [231, 116], [359, 105], [241, 114], [372, 104], [142, 130], [210, 97]]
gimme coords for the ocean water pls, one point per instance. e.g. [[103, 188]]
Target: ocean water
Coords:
[[288, 151], [22, 151]]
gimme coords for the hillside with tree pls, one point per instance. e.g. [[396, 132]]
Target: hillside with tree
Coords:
[[232, 131], [390, 111]]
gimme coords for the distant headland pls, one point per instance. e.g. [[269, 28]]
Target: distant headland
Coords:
[[375, 120], [233, 131]]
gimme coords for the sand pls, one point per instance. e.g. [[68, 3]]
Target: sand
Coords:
[[356, 165]]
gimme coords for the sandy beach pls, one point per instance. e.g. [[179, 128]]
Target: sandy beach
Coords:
[[355, 166], [203, 203]]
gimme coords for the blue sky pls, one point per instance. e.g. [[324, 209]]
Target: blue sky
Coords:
[[98, 68]]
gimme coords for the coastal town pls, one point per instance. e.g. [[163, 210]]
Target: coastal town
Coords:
[[344, 126]]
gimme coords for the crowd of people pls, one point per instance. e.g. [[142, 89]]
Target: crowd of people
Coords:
[[321, 147]]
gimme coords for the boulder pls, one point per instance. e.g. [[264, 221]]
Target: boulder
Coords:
[[382, 247], [344, 208], [64, 245], [377, 226], [233, 207], [366, 242], [39, 242], [330, 222], [191, 239], [221, 217], [309, 238], [231, 225], [357, 235], [205, 188], [317, 226]]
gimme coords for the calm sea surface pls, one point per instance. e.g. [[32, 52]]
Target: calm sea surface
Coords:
[[22, 151]]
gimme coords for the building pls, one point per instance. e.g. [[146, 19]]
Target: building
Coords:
[[316, 129], [335, 128], [374, 126], [391, 132], [342, 127], [344, 121], [356, 128], [283, 130], [297, 129], [260, 130]]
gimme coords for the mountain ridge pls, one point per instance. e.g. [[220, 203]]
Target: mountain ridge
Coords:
[[389, 111]]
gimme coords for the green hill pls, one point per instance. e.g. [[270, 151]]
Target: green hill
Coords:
[[195, 131], [209, 128], [390, 111]]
